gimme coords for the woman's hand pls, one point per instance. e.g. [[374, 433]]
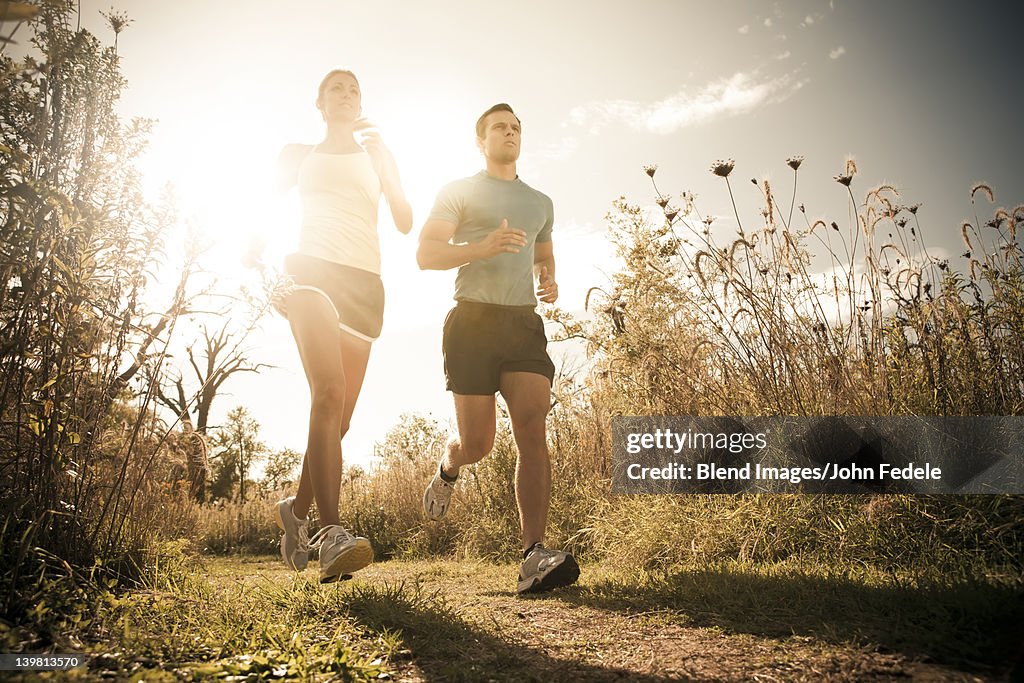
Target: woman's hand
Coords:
[[381, 157], [387, 170], [252, 257]]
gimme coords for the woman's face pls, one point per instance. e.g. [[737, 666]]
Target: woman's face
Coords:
[[340, 99]]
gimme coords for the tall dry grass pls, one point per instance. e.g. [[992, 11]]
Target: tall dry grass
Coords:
[[794, 316], [385, 505], [226, 527], [810, 319], [772, 317], [89, 475]]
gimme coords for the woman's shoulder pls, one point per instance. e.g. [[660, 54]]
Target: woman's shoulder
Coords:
[[288, 163], [294, 152]]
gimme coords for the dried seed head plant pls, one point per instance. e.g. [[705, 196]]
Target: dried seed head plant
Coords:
[[896, 328]]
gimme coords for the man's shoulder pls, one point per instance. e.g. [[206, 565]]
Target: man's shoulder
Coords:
[[540, 195], [462, 184]]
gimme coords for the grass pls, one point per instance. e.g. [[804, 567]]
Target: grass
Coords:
[[941, 536], [227, 622], [846, 587], [787, 315], [964, 624], [782, 314], [229, 527], [250, 619]]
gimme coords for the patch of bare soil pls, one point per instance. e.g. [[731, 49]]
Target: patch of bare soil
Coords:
[[500, 636]]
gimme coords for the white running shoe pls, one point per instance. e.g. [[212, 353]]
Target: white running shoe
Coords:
[[295, 542], [341, 553], [437, 496], [545, 569]]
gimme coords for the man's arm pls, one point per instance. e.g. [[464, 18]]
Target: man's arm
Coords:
[[436, 251], [544, 271]]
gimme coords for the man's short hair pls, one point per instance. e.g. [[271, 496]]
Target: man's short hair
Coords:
[[481, 122]]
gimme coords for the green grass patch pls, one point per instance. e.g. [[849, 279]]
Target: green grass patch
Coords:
[[232, 622], [248, 619]]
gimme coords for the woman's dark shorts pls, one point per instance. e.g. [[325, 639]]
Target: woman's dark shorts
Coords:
[[356, 295], [481, 341]]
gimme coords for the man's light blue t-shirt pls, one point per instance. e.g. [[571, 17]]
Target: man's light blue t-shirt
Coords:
[[477, 205]]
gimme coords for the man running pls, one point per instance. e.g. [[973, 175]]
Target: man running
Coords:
[[496, 230]]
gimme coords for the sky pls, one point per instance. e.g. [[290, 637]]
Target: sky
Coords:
[[923, 95]]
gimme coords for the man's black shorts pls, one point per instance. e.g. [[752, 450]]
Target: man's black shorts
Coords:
[[481, 341]]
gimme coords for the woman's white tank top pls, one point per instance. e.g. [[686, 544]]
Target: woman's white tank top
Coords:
[[340, 194]]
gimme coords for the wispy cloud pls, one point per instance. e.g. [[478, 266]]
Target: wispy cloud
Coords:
[[808, 20], [784, 55], [837, 53], [745, 29], [559, 151], [768, 22], [737, 94]]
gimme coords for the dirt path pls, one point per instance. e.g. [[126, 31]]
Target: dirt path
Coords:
[[462, 621]]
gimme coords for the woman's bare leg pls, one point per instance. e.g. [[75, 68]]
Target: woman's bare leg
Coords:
[[335, 364]]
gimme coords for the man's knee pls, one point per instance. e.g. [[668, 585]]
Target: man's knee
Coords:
[[475, 446], [530, 425]]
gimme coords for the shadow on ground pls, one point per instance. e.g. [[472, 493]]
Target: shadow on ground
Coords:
[[970, 626], [444, 647]]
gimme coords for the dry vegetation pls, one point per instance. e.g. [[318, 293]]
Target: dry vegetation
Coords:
[[811, 320], [789, 316]]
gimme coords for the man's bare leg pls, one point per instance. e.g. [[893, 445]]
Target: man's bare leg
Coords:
[[476, 418], [528, 396]]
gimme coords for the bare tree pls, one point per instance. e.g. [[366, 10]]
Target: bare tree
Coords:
[[220, 357]]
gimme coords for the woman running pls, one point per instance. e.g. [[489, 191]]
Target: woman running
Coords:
[[334, 301]]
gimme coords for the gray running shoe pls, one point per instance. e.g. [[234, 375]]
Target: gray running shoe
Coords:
[[437, 496], [295, 542], [341, 553], [545, 569]]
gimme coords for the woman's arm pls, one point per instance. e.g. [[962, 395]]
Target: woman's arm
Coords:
[[286, 176], [288, 162], [390, 180], [401, 210]]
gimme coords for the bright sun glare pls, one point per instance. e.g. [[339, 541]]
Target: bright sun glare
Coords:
[[230, 197]]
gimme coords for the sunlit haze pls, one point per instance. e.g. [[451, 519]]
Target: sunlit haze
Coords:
[[923, 95]]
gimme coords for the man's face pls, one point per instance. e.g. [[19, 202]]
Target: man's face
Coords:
[[341, 99], [501, 139]]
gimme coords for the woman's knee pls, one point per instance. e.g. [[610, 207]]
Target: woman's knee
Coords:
[[328, 396]]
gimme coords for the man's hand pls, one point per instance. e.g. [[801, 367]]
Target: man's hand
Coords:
[[547, 288], [504, 239]]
